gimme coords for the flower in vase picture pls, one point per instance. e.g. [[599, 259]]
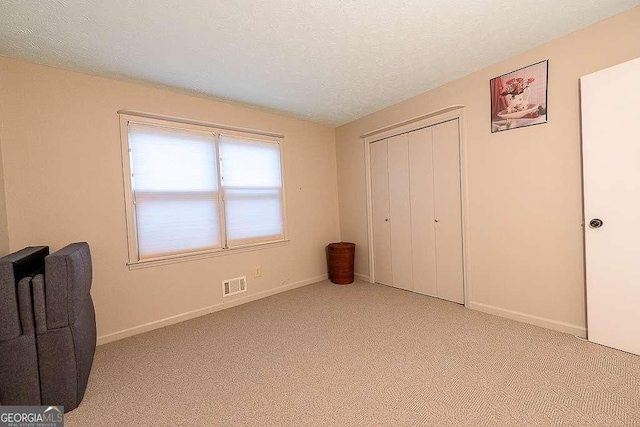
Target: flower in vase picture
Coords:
[[519, 98], [517, 93]]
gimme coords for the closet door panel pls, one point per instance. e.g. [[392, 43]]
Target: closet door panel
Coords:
[[423, 233], [380, 201], [448, 211], [400, 208]]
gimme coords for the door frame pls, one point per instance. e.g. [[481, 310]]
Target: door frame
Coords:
[[425, 120]]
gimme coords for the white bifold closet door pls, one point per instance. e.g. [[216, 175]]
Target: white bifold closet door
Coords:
[[400, 212], [417, 221], [380, 203], [423, 211], [448, 211]]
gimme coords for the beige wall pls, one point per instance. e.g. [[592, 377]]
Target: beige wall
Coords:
[[4, 231], [63, 175], [524, 185]]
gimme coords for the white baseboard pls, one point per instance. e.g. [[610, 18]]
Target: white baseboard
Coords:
[[556, 325], [362, 277], [156, 324]]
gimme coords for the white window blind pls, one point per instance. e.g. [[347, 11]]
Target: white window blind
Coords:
[[252, 190], [197, 189], [175, 190]]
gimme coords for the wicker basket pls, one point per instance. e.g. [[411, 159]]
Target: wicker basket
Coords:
[[340, 258]]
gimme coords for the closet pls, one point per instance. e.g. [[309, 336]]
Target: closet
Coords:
[[416, 211]]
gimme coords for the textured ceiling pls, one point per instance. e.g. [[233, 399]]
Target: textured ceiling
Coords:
[[329, 61]]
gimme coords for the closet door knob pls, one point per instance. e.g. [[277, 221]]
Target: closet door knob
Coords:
[[436, 220], [386, 219]]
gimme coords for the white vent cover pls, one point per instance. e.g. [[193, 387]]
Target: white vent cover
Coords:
[[234, 286]]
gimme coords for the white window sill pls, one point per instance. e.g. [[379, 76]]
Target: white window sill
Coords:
[[135, 265]]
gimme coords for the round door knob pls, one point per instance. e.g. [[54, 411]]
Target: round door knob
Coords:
[[386, 219], [595, 223]]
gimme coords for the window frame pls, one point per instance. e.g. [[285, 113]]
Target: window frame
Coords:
[[127, 117]]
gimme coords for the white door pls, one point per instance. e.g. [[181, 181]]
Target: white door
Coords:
[[423, 225], [448, 211], [380, 205], [417, 217], [611, 173], [400, 212]]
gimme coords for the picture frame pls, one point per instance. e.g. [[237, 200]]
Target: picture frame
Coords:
[[519, 98]]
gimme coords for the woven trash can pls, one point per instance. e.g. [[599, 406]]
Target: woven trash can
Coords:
[[340, 258]]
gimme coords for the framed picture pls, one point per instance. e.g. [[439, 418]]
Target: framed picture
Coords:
[[519, 98]]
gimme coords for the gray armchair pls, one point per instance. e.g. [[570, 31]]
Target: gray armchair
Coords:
[[65, 325], [19, 378]]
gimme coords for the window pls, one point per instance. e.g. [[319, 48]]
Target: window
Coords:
[[198, 189], [252, 188]]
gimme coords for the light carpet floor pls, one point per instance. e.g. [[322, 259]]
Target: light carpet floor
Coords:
[[358, 355]]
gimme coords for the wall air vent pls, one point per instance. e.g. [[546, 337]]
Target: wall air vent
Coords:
[[234, 286]]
